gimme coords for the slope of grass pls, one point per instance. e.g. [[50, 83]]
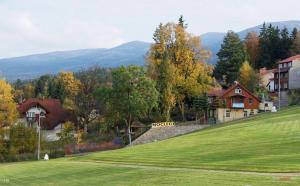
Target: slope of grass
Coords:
[[63, 172], [268, 143]]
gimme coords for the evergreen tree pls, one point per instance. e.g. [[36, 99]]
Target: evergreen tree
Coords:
[[231, 56], [269, 46], [295, 47], [294, 33], [285, 44]]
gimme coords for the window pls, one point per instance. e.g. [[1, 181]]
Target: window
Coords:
[[266, 104], [285, 85], [290, 64], [228, 113], [238, 91], [30, 114], [250, 101]]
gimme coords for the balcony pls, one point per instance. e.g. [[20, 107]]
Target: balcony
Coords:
[[238, 105]]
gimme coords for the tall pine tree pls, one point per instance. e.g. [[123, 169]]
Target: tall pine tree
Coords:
[[231, 57]]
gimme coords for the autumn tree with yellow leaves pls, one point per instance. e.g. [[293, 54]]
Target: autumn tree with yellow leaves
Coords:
[[248, 77], [8, 109], [184, 74], [70, 83]]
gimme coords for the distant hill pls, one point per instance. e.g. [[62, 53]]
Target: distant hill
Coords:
[[213, 40], [32, 66]]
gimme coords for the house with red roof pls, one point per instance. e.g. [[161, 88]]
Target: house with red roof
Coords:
[[236, 102], [54, 115], [287, 77]]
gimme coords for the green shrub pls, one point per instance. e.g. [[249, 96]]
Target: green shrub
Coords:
[[294, 97]]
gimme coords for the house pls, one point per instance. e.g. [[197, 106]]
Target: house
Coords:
[[55, 116], [267, 79], [288, 73], [233, 103]]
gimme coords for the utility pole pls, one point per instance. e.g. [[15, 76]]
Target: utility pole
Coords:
[[279, 87], [40, 115], [39, 140]]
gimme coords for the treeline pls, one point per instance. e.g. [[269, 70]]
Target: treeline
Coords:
[[263, 50]]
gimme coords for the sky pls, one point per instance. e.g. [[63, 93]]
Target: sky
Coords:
[[38, 26]]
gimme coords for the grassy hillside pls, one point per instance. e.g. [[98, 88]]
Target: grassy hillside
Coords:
[[269, 143], [266, 143], [74, 173]]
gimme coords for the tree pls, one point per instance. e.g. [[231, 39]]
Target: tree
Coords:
[[191, 75], [41, 86], [66, 136], [28, 91], [295, 48], [70, 83], [8, 108], [252, 46], [85, 102], [162, 70], [231, 57], [131, 95], [285, 43], [274, 45], [22, 139], [248, 77]]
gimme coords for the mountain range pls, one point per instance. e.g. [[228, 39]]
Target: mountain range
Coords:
[[32, 66]]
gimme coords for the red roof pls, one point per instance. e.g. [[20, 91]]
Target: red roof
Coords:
[[264, 71], [222, 92], [290, 59], [216, 92], [55, 114]]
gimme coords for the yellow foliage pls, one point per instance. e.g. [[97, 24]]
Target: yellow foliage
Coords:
[[8, 109], [248, 77], [70, 83], [191, 76]]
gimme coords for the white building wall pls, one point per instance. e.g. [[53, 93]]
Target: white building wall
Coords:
[[294, 75], [234, 114]]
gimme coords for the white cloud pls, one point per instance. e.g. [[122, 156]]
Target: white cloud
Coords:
[[21, 33], [35, 26]]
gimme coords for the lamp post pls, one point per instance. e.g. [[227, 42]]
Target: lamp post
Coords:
[[39, 116], [279, 87]]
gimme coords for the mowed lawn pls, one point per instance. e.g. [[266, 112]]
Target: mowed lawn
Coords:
[[266, 143], [74, 173]]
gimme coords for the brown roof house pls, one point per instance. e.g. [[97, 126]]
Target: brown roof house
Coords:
[[52, 123], [236, 102]]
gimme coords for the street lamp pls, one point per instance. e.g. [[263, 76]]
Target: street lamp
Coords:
[[279, 87], [36, 117], [39, 116]]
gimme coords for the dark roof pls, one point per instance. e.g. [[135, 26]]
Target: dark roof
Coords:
[[55, 113], [290, 59]]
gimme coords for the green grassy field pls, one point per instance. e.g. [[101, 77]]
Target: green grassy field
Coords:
[[267, 143], [73, 173]]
